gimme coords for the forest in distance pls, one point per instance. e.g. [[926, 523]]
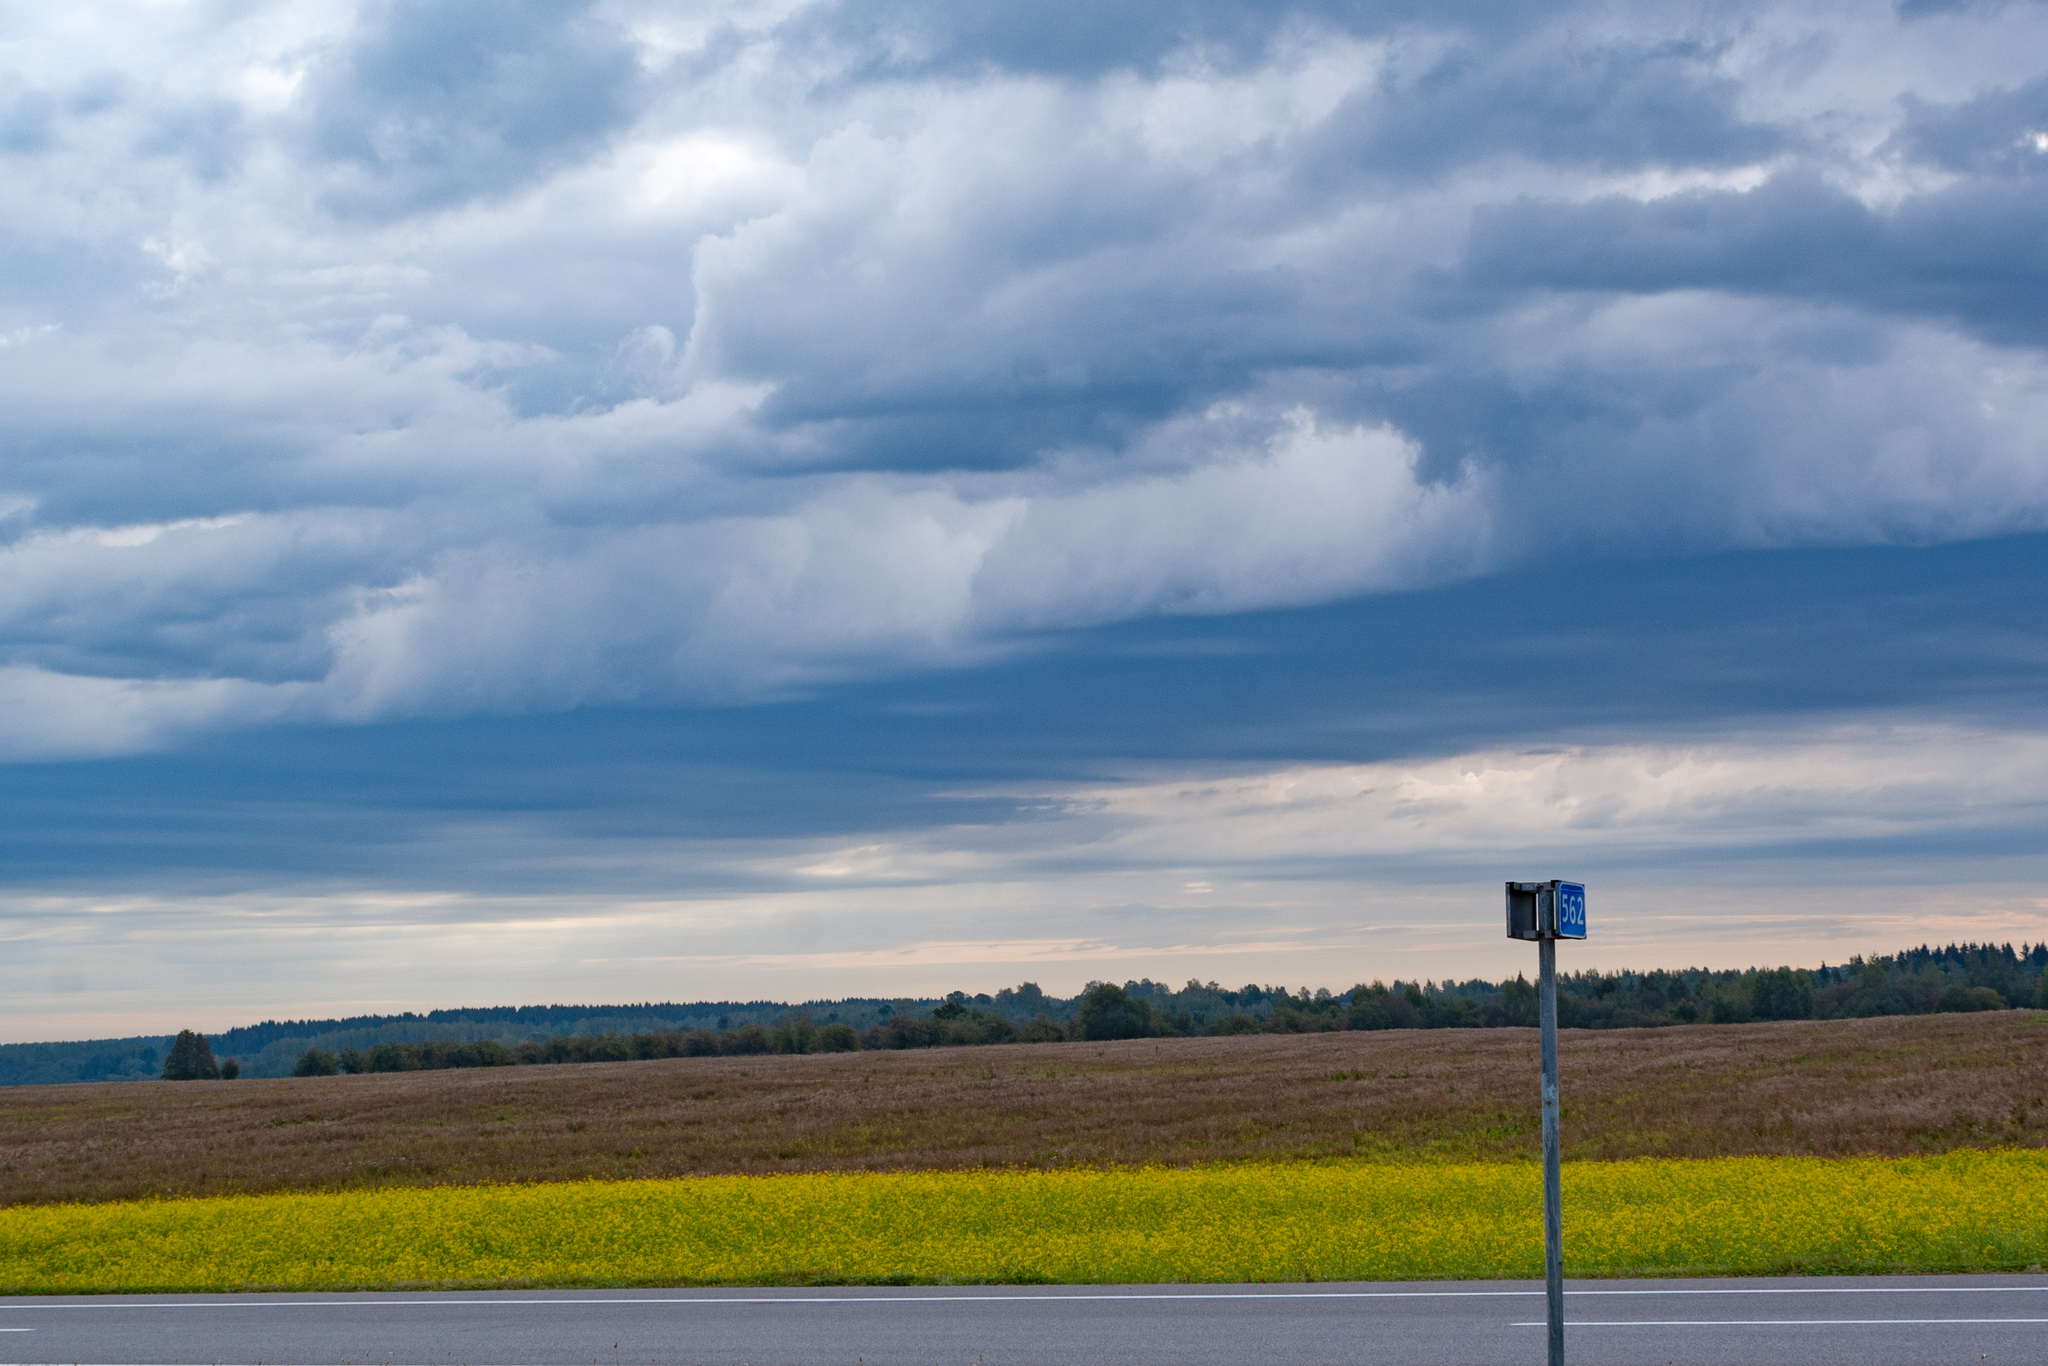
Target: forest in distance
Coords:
[[1958, 978], [1914, 981]]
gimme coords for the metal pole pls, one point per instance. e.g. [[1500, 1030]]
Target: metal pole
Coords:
[[1553, 1200]]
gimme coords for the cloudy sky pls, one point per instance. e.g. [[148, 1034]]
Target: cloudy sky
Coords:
[[528, 502]]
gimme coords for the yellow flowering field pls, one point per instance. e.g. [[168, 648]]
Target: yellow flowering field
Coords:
[[1327, 1221]]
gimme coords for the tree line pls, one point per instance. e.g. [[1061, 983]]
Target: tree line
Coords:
[[800, 1035], [1107, 1012], [1967, 977]]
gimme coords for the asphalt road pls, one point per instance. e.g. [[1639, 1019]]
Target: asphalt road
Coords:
[[1861, 1320]]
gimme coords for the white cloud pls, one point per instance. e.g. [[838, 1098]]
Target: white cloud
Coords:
[[871, 570], [1612, 805], [828, 349], [1317, 515], [45, 715]]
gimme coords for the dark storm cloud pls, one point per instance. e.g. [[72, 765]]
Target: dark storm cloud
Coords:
[[1123, 300], [1681, 649], [648, 354], [442, 102], [1970, 252], [1973, 254], [1995, 134], [1558, 100]]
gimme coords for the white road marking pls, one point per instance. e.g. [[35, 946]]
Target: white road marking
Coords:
[[1751, 1323], [802, 1299]]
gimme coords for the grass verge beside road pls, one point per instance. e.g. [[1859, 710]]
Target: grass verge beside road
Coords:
[[1337, 1220]]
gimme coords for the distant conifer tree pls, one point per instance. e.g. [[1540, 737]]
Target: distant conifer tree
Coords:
[[191, 1059]]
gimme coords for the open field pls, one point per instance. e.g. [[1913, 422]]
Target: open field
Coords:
[[1257, 1222], [1897, 1086]]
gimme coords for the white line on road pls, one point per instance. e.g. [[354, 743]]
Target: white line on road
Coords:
[[1751, 1323], [1225, 1295]]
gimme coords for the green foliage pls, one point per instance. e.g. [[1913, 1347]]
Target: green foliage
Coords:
[[315, 1062], [746, 1040], [1108, 1012], [1025, 1002], [1960, 998], [953, 1022], [54, 1063], [799, 1035], [435, 1055], [838, 1038], [1781, 994], [507, 1024], [393, 1057], [230, 1070], [190, 1059], [1306, 1013], [907, 1031], [1454, 1012], [1518, 1002], [1376, 1007]]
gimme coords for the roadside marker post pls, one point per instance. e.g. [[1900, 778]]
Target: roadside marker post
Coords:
[[1547, 912]]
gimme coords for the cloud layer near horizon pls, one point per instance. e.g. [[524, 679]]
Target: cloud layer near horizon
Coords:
[[1754, 849], [426, 360]]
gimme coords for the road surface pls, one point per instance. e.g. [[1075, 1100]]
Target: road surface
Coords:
[[1816, 1322]]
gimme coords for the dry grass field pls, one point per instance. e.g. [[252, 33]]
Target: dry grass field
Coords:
[[1895, 1086]]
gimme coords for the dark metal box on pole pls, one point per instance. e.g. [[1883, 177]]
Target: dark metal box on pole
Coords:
[[1547, 912]]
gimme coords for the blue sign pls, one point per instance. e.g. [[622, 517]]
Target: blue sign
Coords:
[[1571, 910]]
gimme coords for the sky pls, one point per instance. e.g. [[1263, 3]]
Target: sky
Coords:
[[515, 502]]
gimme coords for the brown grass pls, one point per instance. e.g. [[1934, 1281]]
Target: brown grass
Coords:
[[1889, 1086]]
